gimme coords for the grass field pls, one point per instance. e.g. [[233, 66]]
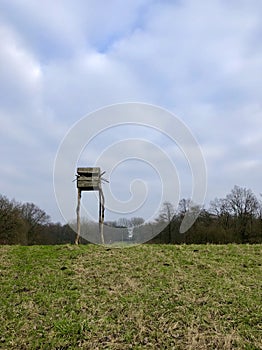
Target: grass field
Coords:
[[144, 297]]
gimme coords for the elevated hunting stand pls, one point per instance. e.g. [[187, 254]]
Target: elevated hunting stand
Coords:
[[90, 179]]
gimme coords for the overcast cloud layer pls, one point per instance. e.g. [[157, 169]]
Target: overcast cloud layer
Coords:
[[59, 60]]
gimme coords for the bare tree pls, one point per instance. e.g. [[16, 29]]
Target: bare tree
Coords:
[[220, 208], [260, 212], [184, 206], [136, 221], [123, 222], [243, 206], [242, 202], [13, 228], [167, 212], [166, 215], [34, 217]]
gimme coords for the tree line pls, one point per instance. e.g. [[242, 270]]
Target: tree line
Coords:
[[27, 224], [237, 218]]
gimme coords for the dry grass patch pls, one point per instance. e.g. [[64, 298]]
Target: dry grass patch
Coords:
[[144, 297]]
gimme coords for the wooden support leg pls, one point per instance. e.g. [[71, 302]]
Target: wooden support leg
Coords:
[[103, 206], [101, 215], [78, 217]]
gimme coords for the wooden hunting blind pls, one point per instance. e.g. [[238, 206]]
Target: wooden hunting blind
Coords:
[[90, 179]]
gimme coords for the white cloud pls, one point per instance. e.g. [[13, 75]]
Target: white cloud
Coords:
[[61, 60], [19, 70]]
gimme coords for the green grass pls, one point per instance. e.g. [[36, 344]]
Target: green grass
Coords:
[[143, 297]]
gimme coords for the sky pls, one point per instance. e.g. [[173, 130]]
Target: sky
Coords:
[[62, 60]]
